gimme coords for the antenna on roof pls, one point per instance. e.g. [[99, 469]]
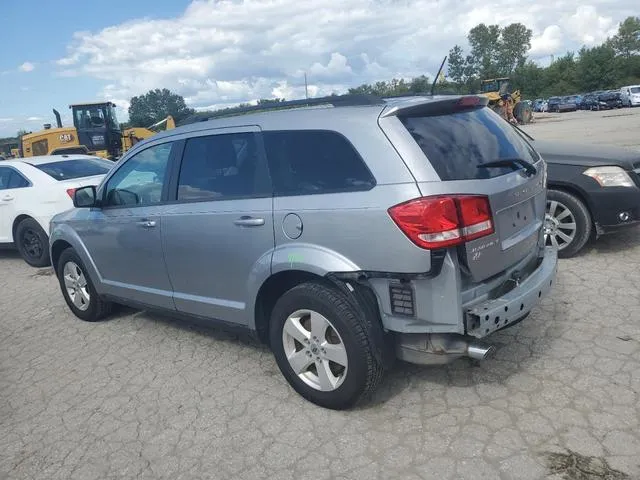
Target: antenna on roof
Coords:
[[433, 85]]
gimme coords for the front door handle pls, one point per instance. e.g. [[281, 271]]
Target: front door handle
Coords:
[[7, 198], [147, 223], [247, 221]]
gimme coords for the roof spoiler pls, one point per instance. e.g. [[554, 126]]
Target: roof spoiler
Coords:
[[424, 106]]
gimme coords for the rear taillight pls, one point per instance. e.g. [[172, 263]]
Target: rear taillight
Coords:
[[70, 192], [444, 221]]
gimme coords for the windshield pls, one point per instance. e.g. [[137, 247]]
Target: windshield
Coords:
[[112, 119], [95, 116], [77, 168], [457, 143]]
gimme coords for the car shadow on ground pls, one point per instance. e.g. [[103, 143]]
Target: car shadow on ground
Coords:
[[9, 252], [616, 242]]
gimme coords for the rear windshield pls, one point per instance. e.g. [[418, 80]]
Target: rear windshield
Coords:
[[78, 168], [457, 143]]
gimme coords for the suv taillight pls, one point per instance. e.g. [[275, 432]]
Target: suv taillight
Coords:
[[444, 221], [70, 192]]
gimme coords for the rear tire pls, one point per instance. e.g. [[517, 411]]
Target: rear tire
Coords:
[[568, 224], [32, 243], [311, 326], [78, 290]]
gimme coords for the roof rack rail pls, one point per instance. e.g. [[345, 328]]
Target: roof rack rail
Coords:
[[347, 100]]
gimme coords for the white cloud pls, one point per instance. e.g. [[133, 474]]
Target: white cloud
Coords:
[[223, 52], [34, 119], [27, 67], [547, 43], [589, 27], [6, 120]]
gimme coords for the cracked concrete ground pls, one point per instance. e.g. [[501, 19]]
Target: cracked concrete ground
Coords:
[[144, 397]]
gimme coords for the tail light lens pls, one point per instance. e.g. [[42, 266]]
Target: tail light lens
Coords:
[[70, 192], [444, 221]]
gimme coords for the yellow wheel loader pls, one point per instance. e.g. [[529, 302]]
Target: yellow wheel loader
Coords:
[[133, 135], [95, 131], [505, 102]]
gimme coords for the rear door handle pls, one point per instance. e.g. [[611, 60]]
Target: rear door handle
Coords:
[[7, 198], [147, 223], [247, 221]]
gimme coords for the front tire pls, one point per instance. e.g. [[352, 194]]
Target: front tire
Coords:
[[567, 224], [323, 346], [33, 243], [78, 290]]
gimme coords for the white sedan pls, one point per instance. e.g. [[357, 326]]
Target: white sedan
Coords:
[[33, 190]]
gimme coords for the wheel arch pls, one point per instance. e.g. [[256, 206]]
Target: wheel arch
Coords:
[[57, 247], [62, 237], [576, 192]]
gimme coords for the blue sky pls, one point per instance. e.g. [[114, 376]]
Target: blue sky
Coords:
[[40, 31], [222, 52]]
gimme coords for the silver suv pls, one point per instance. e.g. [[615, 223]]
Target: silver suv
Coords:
[[345, 232]]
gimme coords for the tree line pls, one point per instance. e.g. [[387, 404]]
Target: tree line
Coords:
[[496, 51]]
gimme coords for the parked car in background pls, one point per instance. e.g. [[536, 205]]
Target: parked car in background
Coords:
[[630, 95], [610, 100], [33, 190], [589, 102], [262, 221], [567, 104], [537, 104], [593, 190], [553, 104]]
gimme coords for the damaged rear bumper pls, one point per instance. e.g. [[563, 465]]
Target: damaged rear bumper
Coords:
[[485, 318]]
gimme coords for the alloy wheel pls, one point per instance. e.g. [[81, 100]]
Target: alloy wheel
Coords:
[[76, 285], [559, 226], [314, 349]]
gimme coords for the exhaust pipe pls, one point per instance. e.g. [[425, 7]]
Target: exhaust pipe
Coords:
[[58, 120], [440, 348], [479, 351]]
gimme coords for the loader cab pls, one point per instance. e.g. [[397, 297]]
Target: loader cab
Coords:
[[500, 85], [98, 128]]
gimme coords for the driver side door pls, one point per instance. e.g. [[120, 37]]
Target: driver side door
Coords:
[[123, 236]]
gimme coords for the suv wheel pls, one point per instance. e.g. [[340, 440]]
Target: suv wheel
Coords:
[[32, 243], [320, 342], [77, 289], [567, 223]]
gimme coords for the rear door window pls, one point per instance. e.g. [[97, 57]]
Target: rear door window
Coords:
[[457, 143], [217, 167], [307, 162]]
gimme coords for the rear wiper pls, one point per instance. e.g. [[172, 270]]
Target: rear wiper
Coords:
[[511, 162]]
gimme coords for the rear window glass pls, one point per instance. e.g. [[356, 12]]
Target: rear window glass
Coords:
[[635, 89], [308, 162], [457, 143], [70, 169]]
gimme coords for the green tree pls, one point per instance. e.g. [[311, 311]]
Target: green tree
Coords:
[[484, 41], [456, 65], [627, 41], [596, 68], [529, 79], [155, 105], [420, 84], [515, 42], [560, 76], [266, 101]]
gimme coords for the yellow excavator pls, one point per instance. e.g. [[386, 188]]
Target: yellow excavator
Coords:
[[95, 131], [503, 101]]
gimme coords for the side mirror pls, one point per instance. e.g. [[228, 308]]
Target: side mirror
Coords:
[[85, 197]]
